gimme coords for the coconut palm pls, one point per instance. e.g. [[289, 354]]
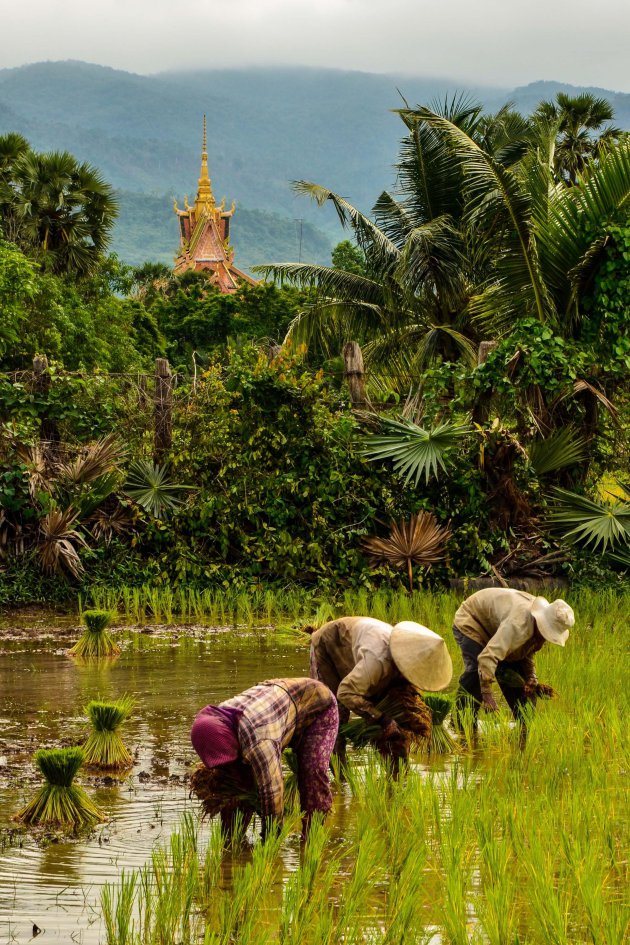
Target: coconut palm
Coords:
[[582, 131], [551, 236], [423, 256]]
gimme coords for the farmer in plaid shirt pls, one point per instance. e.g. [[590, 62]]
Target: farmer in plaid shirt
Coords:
[[253, 728]]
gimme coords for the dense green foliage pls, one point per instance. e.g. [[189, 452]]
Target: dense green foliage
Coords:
[[271, 479]]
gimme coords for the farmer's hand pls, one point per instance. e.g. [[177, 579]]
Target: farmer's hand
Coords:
[[389, 728], [488, 702]]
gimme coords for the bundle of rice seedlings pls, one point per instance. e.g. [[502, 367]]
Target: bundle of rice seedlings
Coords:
[[232, 786], [60, 802], [104, 747], [441, 741], [405, 705], [96, 641], [225, 789]]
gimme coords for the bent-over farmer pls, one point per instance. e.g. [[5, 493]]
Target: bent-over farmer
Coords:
[[499, 630], [362, 659], [244, 738]]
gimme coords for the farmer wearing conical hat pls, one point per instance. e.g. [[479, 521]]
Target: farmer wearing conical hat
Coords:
[[362, 659], [240, 742], [499, 630]]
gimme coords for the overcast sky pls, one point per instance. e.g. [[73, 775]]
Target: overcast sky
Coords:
[[494, 42]]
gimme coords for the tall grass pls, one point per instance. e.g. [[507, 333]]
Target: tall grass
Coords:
[[500, 845], [266, 607]]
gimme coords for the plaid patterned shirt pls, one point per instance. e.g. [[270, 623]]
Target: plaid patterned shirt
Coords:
[[273, 714]]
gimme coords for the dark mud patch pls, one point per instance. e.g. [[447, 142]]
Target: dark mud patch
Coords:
[[65, 631]]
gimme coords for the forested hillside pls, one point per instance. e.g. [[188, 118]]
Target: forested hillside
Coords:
[[266, 128]]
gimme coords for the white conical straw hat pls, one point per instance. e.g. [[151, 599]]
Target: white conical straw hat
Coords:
[[421, 656], [553, 620]]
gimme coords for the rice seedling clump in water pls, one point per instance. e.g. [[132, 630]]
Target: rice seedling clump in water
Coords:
[[104, 747], [60, 802], [441, 741], [96, 640], [405, 705]]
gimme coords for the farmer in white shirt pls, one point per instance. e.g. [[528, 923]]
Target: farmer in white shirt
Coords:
[[498, 631]]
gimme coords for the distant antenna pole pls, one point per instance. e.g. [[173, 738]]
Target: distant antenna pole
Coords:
[[301, 222]]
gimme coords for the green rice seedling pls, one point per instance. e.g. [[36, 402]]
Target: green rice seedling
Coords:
[[441, 741], [95, 641], [104, 747], [60, 802], [117, 908]]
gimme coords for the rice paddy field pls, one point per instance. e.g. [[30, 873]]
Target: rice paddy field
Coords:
[[495, 842]]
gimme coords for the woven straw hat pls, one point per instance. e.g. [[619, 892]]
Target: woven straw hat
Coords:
[[421, 656], [553, 620]]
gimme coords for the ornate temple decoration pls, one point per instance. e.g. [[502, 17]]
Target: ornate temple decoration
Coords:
[[204, 232]]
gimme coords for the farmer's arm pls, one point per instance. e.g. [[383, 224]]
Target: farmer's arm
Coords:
[[368, 678], [265, 758], [529, 671], [510, 636]]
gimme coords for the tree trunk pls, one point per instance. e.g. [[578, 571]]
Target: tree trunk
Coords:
[[354, 373], [162, 410], [481, 409], [42, 381]]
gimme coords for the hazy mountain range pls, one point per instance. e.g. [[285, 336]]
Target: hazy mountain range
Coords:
[[266, 127]]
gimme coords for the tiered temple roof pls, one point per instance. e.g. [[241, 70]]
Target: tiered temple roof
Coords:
[[205, 234]]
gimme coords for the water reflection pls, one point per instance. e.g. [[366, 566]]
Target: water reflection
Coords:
[[42, 695]]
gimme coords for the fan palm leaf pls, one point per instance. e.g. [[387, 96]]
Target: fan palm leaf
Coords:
[[414, 450], [149, 485], [600, 525], [59, 542], [564, 447], [419, 541]]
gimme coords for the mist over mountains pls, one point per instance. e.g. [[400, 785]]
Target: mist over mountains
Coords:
[[266, 127]]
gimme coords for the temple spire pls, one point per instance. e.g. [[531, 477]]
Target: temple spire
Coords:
[[205, 197]]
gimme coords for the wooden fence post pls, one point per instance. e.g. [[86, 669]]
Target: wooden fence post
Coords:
[[485, 347], [42, 381], [354, 373], [481, 410], [162, 410]]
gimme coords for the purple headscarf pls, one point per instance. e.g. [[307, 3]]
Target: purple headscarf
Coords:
[[214, 735]]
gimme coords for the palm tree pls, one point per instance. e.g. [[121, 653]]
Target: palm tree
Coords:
[[13, 147], [581, 136], [423, 255], [63, 210]]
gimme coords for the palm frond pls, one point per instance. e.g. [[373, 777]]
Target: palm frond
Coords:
[[498, 190], [413, 450], [600, 525], [368, 235], [419, 541], [96, 460], [59, 540], [149, 485], [564, 447]]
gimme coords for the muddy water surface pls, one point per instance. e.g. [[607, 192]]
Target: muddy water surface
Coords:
[[54, 885]]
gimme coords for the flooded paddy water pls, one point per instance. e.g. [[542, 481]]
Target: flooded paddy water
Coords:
[[171, 673], [495, 845]]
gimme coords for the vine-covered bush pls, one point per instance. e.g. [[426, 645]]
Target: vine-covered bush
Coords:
[[283, 493]]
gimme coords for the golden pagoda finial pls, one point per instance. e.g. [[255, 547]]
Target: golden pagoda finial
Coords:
[[205, 197]]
